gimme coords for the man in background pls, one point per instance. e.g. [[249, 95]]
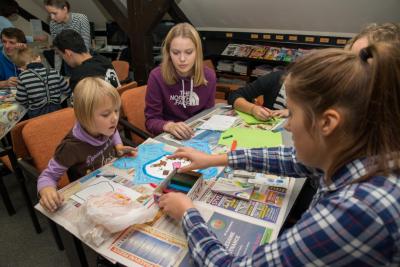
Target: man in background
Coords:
[[12, 39], [70, 45]]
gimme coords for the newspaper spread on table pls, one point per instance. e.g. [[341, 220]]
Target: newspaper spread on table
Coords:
[[241, 225]]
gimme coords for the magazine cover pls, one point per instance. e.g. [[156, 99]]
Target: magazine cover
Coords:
[[243, 50], [230, 50], [272, 53], [258, 52]]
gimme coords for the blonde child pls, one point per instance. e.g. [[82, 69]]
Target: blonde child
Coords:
[[344, 108], [93, 141], [181, 87], [39, 89]]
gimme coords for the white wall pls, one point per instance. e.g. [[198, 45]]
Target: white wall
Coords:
[[325, 17], [91, 8]]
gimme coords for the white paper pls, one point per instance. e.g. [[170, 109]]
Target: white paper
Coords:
[[103, 185], [36, 27], [218, 123]]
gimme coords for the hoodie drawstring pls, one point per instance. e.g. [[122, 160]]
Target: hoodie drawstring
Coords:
[[183, 94]]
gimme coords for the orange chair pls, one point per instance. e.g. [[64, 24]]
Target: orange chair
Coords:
[[122, 69], [127, 86], [133, 103], [35, 141]]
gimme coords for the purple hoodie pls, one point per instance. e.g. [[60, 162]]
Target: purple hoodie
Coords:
[[176, 102]]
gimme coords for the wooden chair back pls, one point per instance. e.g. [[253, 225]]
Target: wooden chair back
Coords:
[[121, 68]]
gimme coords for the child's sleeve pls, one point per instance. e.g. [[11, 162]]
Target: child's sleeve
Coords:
[[63, 85], [51, 175], [22, 95], [116, 139]]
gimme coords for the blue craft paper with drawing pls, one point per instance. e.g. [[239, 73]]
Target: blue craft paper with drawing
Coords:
[[204, 147], [147, 154]]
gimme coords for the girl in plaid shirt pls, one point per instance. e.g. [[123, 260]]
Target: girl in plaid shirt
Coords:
[[344, 113]]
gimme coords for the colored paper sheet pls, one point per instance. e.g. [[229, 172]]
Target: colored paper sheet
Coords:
[[250, 138], [250, 119]]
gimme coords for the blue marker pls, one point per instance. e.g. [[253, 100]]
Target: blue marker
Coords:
[[179, 188]]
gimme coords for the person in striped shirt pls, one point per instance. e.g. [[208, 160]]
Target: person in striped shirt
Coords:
[[38, 89], [62, 18], [344, 110]]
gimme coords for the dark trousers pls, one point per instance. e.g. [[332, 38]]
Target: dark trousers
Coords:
[[44, 110]]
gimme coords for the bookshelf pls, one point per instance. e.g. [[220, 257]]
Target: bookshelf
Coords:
[[254, 54]]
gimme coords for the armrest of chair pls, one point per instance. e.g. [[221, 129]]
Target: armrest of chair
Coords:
[[28, 168], [127, 80], [133, 129]]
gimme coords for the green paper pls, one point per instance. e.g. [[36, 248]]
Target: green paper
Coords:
[[250, 138], [250, 119]]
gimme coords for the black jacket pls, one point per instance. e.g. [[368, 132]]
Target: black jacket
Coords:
[[267, 85], [96, 66]]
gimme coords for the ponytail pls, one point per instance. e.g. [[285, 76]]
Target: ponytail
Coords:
[[366, 88], [383, 112]]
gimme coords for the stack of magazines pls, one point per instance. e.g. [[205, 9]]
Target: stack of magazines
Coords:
[[225, 65]]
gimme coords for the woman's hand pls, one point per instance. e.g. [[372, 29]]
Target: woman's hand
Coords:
[[261, 113], [175, 204], [199, 160], [179, 129], [50, 199], [281, 113]]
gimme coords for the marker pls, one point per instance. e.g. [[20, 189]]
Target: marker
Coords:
[[233, 146], [106, 175], [153, 185], [179, 188], [228, 136]]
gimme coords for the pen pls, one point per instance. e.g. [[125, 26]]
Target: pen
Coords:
[[228, 136]]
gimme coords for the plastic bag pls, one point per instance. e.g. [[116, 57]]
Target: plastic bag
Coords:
[[103, 215]]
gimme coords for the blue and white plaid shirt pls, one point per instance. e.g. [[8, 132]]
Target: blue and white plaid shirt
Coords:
[[346, 225]]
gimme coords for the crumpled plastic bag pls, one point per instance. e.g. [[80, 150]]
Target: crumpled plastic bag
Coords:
[[105, 214]]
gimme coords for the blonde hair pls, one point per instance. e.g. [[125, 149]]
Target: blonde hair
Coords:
[[89, 94], [168, 72], [368, 93], [374, 32], [24, 56]]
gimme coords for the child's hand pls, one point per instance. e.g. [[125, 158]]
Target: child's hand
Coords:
[[50, 199], [126, 150], [175, 204]]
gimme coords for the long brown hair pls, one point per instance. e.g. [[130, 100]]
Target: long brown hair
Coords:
[[168, 71], [366, 87]]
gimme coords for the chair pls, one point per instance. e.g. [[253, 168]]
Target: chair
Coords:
[[35, 141], [223, 89], [133, 103], [127, 86], [122, 69], [9, 159]]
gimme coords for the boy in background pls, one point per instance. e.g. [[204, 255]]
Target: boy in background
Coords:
[[39, 89]]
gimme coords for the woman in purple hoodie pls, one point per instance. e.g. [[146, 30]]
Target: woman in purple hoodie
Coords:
[[181, 86]]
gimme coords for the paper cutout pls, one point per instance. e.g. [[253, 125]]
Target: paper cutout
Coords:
[[250, 119]]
